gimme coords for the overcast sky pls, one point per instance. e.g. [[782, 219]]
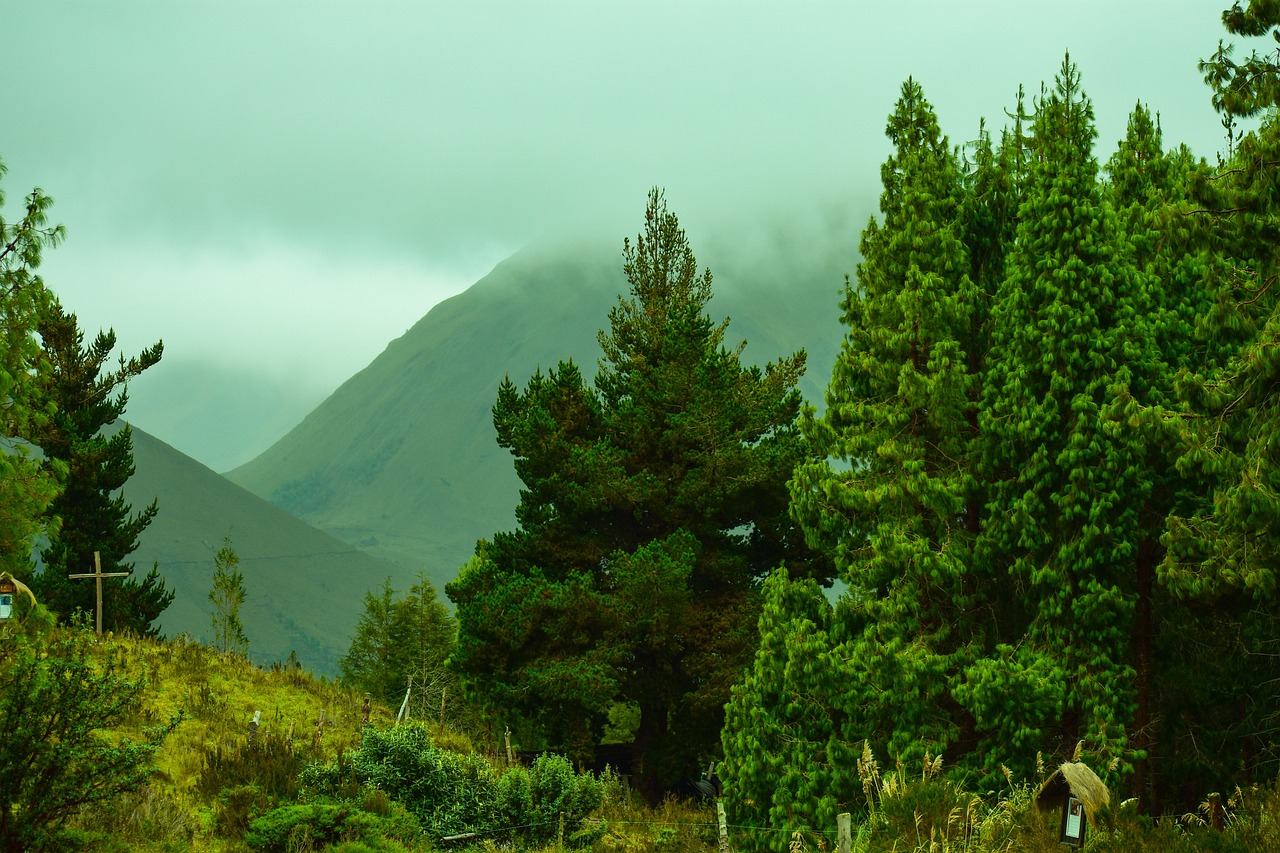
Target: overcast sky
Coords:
[[278, 189]]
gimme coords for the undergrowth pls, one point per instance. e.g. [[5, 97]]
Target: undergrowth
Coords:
[[220, 786]]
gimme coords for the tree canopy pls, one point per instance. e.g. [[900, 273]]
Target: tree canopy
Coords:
[[653, 503], [86, 400]]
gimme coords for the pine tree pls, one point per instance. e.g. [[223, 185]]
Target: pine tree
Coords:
[[28, 481], [401, 640], [1068, 337], [227, 597], [652, 505], [898, 508], [86, 403], [781, 766]]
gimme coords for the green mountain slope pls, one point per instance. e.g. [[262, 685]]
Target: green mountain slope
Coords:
[[304, 589], [402, 462]]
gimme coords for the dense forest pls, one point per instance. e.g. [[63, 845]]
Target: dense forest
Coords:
[[1035, 522]]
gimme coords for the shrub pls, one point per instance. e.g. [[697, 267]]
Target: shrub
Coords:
[[320, 824], [452, 794]]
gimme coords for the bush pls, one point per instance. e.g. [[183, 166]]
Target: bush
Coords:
[[452, 794], [320, 824]]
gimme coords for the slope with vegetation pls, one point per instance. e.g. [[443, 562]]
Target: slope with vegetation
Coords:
[[303, 588]]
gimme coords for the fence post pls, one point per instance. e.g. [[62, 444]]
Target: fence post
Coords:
[[1215, 812], [560, 833], [511, 759], [724, 827], [844, 822]]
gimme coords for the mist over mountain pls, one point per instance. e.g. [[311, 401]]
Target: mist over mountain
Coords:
[[402, 461]]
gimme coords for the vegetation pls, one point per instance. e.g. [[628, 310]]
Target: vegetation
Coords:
[[1048, 479], [227, 597], [28, 480], [1046, 473], [401, 643], [54, 759], [92, 516], [652, 505]]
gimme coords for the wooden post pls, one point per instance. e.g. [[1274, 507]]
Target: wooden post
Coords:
[[443, 695], [98, 576], [1216, 817], [724, 827], [560, 833], [844, 823], [253, 725], [365, 710], [511, 761]]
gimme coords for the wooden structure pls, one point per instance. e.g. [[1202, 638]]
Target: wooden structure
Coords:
[[98, 575]]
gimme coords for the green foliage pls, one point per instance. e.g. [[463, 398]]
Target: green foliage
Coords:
[[227, 596], [452, 794], [785, 765], [652, 505], [298, 826], [57, 755], [402, 641], [28, 481], [93, 516], [895, 496]]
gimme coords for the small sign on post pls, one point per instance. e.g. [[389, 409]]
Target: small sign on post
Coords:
[[7, 590], [10, 587], [1079, 793]]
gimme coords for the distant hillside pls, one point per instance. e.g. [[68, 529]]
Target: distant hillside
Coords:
[[401, 461], [304, 589]]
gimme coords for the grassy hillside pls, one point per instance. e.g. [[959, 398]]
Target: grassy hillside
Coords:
[[213, 780], [401, 461], [304, 588]]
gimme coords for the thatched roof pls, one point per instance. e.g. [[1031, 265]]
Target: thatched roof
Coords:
[[1073, 778]]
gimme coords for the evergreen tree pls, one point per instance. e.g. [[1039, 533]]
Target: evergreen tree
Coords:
[[401, 640], [1068, 338], [653, 503], [28, 481], [86, 403], [898, 507], [783, 766], [227, 596]]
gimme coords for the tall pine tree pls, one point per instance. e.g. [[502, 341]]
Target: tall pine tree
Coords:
[[653, 504], [86, 399], [1068, 336], [898, 505]]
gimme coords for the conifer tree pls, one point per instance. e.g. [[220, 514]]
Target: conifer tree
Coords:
[[85, 403], [28, 481], [1068, 336], [653, 503], [782, 765], [401, 639], [227, 597], [897, 511]]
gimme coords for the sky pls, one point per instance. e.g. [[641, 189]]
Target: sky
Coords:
[[279, 188]]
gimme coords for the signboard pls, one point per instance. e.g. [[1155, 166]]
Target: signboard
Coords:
[[1073, 823]]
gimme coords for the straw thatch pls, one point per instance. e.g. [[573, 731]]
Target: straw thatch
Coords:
[[1074, 779], [18, 585]]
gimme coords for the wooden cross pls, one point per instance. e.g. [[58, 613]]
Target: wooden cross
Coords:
[[98, 575]]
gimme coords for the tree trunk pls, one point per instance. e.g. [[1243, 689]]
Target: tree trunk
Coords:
[[644, 762], [1149, 555]]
